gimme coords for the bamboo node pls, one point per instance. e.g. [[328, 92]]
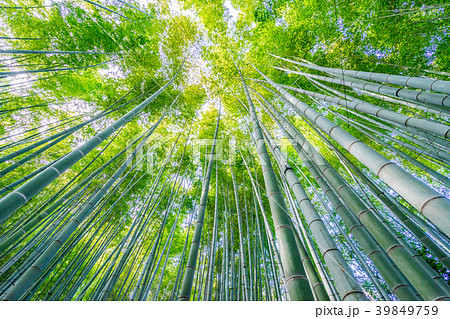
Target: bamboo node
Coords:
[[283, 226], [80, 152], [353, 292], [22, 195], [34, 266], [399, 286], [328, 250], [442, 298], [315, 220], [354, 226], [54, 168], [273, 193], [431, 85], [350, 146], [340, 187], [362, 212], [392, 247], [318, 284], [286, 169], [295, 277], [431, 199], [373, 252]]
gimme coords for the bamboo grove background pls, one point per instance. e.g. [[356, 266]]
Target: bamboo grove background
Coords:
[[224, 150]]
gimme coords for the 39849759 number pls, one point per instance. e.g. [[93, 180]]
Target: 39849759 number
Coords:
[[406, 310]]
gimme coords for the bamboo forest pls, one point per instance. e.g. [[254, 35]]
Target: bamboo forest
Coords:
[[224, 150]]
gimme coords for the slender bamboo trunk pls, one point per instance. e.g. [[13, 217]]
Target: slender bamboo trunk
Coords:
[[186, 287], [381, 195], [296, 281], [426, 200], [368, 108], [384, 264], [45, 258], [242, 259], [415, 82], [316, 283], [346, 283], [13, 201]]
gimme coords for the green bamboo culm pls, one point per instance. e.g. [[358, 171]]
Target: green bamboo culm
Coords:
[[242, 258], [16, 199], [412, 95], [415, 82], [186, 286], [342, 274], [384, 264], [296, 281], [368, 108], [426, 200], [398, 252], [391, 205], [32, 273]]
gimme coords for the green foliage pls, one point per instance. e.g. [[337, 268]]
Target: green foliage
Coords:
[[206, 44]]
